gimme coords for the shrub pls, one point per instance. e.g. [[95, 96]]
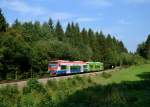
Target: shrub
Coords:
[[52, 83], [46, 101], [9, 96], [106, 75], [27, 101], [34, 85], [26, 90]]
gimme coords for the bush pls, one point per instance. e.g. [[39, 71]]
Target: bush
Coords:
[[52, 84], [34, 85], [26, 90], [9, 96], [106, 75], [137, 60], [46, 101]]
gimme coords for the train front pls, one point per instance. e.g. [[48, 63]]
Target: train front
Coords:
[[52, 68]]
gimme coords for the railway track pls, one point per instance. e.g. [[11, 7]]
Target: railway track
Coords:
[[23, 83]]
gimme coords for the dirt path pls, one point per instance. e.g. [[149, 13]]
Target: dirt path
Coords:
[[21, 84]]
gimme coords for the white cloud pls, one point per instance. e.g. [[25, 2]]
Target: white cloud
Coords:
[[22, 7], [123, 22], [85, 19], [30, 12], [62, 15]]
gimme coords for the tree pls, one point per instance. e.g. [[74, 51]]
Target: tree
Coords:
[[59, 33], [15, 57], [3, 24], [144, 48], [26, 47], [141, 50], [16, 24], [51, 26]]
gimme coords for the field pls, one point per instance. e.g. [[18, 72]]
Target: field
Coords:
[[133, 73], [129, 87]]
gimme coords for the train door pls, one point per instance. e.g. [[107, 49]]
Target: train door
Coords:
[[63, 69], [85, 68]]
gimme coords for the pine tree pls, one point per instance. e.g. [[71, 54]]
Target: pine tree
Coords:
[[51, 26], [144, 48], [147, 43], [16, 23], [84, 36], [3, 24], [148, 40], [59, 33], [68, 31]]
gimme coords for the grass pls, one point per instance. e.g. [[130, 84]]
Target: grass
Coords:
[[128, 87], [125, 74]]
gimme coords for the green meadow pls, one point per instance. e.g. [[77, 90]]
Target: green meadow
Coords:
[[126, 74]]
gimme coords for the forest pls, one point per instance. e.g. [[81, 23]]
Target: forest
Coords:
[[26, 47]]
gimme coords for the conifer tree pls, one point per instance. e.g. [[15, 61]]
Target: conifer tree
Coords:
[[51, 25], [59, 33], [3, 24], [144, 48]]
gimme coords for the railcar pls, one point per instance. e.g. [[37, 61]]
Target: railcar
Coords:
[[94, 66], [61, 67]]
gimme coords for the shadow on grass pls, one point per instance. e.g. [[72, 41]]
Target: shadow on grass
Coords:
[[125, 94], [144, 76]]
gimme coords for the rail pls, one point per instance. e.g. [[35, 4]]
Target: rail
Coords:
[[22, 83]]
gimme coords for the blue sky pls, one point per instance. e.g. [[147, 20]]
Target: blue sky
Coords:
[[127, 20]]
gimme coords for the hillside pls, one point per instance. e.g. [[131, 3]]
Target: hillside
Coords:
[[129, 86]]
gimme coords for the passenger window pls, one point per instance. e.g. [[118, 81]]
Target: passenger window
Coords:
[[63, 67], [85, 66]]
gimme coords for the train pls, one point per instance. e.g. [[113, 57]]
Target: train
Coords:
[[64, 67]]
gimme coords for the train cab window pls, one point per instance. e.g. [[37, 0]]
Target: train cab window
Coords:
[[52, 65], [63, 67]]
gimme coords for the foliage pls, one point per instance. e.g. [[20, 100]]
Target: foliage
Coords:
[[34, 85], [3, 24], [9, 96], [144, 49], [26, 47], [127, 87], [106, 75]]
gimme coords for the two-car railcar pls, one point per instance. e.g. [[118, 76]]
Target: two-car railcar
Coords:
[[61, 67]]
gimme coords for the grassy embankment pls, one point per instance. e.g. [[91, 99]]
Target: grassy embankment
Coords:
[[128, 87]]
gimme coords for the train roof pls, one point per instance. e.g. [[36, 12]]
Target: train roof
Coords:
[[67, 62], [59, 61], [93, 62]]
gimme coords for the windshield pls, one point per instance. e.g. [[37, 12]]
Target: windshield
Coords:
[[52, 65]]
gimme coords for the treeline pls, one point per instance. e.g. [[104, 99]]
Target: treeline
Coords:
[[26, 48], [144, 49]]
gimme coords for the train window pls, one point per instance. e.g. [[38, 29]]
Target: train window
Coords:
[[63, 67], [97, 66], [85, 66], [75, 67], [52, 65], [91, 66]]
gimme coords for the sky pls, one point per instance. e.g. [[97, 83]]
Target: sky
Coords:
[[127, 20]]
